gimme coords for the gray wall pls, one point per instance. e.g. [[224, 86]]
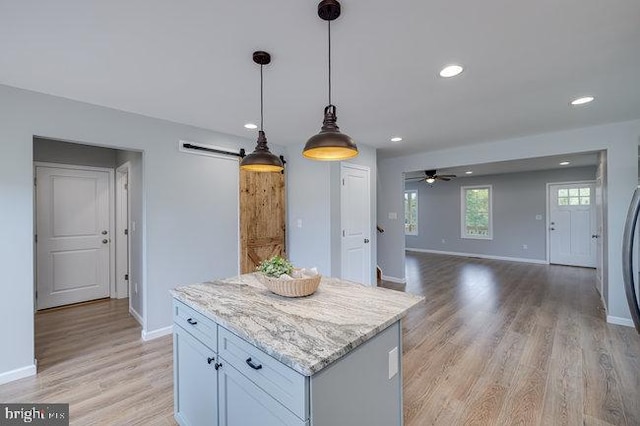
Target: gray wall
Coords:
[[517, 199], [620, 140], [189, 206], [136, 217], [190, 230], [52, 151]]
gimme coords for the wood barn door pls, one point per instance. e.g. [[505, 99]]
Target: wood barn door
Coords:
[[262, 218]]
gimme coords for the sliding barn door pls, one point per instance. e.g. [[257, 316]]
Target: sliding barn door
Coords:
[[262, 218]]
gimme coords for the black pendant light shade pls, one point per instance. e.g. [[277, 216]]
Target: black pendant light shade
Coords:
[[261, 159], [330, 144]]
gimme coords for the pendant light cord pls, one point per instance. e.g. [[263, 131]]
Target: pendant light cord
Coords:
[[329, 32], [261, 100]]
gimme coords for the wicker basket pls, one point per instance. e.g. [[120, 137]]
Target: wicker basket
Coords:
[[297, 287]]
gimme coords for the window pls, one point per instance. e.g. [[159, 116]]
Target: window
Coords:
[[574, 196], [411, 212], [476, 212]]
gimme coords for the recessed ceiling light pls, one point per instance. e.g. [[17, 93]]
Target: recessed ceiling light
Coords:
[[451, 71], [468, 172], [250, 126], [565, 163], [396, 139], [581, 101]]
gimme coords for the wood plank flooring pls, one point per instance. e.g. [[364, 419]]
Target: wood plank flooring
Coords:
[[501, 343], [496, 343], [92, 357]]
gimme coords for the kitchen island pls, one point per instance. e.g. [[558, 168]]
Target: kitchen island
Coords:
[[244, 356]]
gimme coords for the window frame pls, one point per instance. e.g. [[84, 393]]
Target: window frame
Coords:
[[414, 233], [463, 211]]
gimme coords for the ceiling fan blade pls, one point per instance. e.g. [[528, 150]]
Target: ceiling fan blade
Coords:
[[415, 178], [448, 176], [444, 178]]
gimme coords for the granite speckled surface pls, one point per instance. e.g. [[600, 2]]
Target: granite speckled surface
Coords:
[[307, 333]]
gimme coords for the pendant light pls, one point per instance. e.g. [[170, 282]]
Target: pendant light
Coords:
[[261, 159], [330, 144]]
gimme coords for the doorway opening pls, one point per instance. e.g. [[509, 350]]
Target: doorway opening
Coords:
[[514, 216], [87, 206]]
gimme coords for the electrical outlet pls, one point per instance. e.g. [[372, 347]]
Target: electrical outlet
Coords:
[[538, 217], [525, 247], [444, 241], [393, 216], [135, 288], [299, 223], [393, 362]]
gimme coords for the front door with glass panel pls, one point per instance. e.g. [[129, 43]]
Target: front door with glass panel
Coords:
[[572, 224]]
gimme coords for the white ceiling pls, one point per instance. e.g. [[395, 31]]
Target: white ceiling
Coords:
[[190, 62], [516, 166]]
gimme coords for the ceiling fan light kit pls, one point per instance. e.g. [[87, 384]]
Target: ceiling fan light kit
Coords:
[[330, 144], [430, 176], [261, 159]]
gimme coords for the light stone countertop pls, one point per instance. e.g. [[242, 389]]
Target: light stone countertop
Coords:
[[307, 333]]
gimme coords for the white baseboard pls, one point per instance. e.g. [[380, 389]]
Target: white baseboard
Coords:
[[481, 256], [136, 316], [620, 321], [18, 373], [394, 279], [154, 334]]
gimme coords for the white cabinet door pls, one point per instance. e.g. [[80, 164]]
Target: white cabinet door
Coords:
[[195, 381], [243, 403], [72, 223]]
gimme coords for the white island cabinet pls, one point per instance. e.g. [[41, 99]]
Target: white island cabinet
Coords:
[[244, 356]]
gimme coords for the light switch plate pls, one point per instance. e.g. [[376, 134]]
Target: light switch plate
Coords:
[[538, 217], [393, 215], [393, 362]]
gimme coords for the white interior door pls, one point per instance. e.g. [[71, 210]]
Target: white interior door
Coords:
[[356, 224], [572, 224], [599, 200], [73, 238], [122, 231]]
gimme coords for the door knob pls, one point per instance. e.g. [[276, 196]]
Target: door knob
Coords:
[[105, 241], [104, 232], [366, 241]]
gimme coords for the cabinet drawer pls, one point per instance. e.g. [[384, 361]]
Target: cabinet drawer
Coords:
[[284, 384], [201, 327], [243, 403]]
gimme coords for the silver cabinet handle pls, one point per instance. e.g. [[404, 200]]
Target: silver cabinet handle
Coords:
[[366, 241], [104, 232], [105, 241]]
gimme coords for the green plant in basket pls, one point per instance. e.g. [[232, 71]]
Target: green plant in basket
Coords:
[[275, 267]]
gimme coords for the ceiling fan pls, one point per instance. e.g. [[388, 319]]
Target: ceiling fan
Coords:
[[431, 176]]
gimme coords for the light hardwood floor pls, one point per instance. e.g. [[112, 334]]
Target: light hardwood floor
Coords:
[[500, 343], [496, 343], [92, 357]]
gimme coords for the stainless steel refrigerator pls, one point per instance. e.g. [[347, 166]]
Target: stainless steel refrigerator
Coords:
[[629, 259]]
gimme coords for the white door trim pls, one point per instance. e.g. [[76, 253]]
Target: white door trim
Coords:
[[112, 253], [548, 212], [122, 241], [346, 165]]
